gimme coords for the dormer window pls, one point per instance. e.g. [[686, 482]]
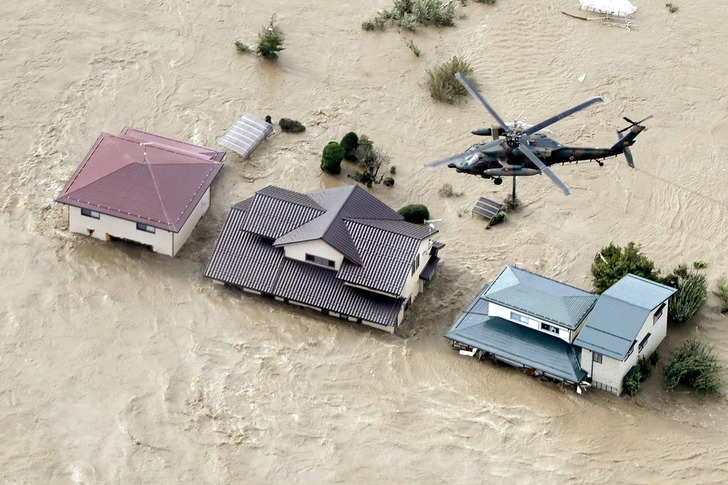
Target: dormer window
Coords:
[[320, 261]]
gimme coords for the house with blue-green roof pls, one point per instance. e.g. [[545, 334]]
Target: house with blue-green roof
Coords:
[[563, 332]]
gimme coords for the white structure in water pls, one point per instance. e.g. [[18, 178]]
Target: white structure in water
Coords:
[[141, 187]]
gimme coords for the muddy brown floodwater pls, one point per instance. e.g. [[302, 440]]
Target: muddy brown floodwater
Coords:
[[121, 366]]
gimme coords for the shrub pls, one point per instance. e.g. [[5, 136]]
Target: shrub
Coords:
[[268, 119], [447, 191], [331, 158], [242, 47], [415, 213], [388, 181], [723, 294], [442, 83], [370, 160], [498, 218], [672, 8], [408, 14], [415, 50], [692, 291], [291, 126], [270, 40], [393, 169], [349, 143], [612, 263], [632, 382], [695, 365], [654, 358]]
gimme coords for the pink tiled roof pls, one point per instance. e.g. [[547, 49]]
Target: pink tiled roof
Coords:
[[143, 177]]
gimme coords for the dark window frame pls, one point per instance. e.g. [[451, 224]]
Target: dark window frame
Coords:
[[658, 312], [643, 342], [146, 228], [550, 328], [631, 349], [319, 261], [597, 357], [90, 213]]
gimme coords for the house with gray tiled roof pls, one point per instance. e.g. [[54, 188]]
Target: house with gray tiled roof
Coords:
[[141, 187], [562, 332], [340, 251]]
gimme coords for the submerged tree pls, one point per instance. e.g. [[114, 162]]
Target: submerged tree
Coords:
[[270, 40], [695, 365], [370, 160], [612, 263], [331, 158], [443, 84], [692, 291]]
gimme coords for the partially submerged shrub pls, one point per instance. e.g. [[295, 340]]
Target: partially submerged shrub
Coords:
[[694, 365], [270, 40], [388, 181], [268, 120], [393, 169], [632, 382], [409, 14], [722, 293], [671, 7], [498, 218], [291, 126], [415, 50], [443, 84], [349, 143], [242, 47], [612, 263], [447, 191], [415, 213], [331, 158], [692, 291], [370, 160], [510, 204]]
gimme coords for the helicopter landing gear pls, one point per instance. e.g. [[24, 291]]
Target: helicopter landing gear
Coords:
[[498, 181], [601, 164], [486, 176]]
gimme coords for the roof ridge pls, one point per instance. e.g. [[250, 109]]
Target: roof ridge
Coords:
[[547, 278], [271, 196]]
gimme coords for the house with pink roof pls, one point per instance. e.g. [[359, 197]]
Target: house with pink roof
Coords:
[[141, 187]]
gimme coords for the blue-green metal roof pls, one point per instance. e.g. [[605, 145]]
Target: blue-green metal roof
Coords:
[[515, 342], [540, 297], [619, 314]]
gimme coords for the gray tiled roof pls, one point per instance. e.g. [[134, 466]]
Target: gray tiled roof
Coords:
[[618, 316], [540, 297], [380, 247], [515, 342]]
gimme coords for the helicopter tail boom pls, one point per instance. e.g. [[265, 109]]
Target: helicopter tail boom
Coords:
[[627, 140]]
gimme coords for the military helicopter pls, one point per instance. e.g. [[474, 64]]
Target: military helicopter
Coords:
[[524, 151]]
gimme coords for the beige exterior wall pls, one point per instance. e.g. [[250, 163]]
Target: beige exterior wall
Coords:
[[316, 247], [161, 241], [184, 233], [414, 285], [495, 310], [611, 372]]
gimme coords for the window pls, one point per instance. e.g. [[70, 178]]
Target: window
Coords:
[[519, 318], [90, 213], [631, 349], [320, 261], [145, 228], [643, 343], [597, 357], [658, 313], [550, 328]]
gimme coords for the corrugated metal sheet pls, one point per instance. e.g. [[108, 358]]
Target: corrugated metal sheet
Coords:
[[159, 185], [245, 135], [515, 342], [541, 297]]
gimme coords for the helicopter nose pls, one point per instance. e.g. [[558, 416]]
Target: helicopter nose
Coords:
[[451, 165]]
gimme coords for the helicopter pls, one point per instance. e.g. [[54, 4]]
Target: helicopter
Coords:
[[524, 150]]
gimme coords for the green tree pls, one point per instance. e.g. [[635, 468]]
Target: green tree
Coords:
[[370, 160], [270, 40], [415, 213], [349, 143], [695, 365], [331, 158], [612, 263], [692, 291]]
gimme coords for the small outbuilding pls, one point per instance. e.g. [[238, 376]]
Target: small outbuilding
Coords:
[[340, 251], [141, 187], [561, 332]]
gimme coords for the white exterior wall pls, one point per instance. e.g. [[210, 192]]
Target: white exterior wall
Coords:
[[316, 247], [161, 241], [611, 371], [184, 233], [495, 310]]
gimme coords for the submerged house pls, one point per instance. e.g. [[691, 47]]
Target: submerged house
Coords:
[[340, 251], [562, 332], [141, 187]]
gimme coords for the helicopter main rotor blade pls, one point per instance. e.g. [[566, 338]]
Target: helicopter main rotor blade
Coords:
[[466, 84], [531, 156], [562, 115]]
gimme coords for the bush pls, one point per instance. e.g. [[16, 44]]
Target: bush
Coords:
[[370, 160], [612, 263], [388, 181], [694, 365], [393, 169], [443, 84], [408, 14], [291, 126], [632, 382], [331, 158], [242, 47], [268, 120], [723, 294], [349, 143], [415, 213], [270, 40], [498, 218], [692, 291]]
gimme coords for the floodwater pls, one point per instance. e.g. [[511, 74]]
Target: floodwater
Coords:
[[121, 366]]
